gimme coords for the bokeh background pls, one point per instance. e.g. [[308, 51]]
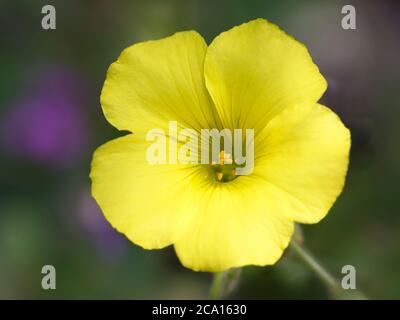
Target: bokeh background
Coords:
[[51, 122]]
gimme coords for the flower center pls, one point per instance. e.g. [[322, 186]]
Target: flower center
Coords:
[[225, 170]]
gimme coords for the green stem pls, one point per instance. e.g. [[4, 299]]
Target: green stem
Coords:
[[224, 283], [216, 286], [312, 263], [331, 283]]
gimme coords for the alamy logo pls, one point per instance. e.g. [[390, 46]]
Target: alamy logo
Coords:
[[349, 280], [230, 149], [49, 18], [49, 280], [349, 20]]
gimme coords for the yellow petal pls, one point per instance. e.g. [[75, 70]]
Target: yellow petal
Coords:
[[154, 82], [150, 204], [255, 70], [304, 153], [236, 226]]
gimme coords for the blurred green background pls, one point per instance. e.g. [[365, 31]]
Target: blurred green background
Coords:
[[51, 123]]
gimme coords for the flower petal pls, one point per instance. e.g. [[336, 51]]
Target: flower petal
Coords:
[[150, 204], [153, 82], [236, 226], [304, 152], [255, 70]]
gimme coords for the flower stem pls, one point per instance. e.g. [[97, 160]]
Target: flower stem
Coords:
[[224, 283], [216, 286], [331, 283], [312, 264]]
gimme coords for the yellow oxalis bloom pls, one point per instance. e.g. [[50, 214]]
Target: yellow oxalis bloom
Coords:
[[252, 76]]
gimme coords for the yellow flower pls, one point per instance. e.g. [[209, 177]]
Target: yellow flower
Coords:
[[252, 76]]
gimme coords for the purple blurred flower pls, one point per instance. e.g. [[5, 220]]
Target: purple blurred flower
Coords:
[[109, 243], [47, 123]]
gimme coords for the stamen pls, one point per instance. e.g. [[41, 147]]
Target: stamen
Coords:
[[222, 157], [225, 170]]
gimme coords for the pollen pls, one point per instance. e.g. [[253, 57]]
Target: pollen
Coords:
[[225, 170]]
